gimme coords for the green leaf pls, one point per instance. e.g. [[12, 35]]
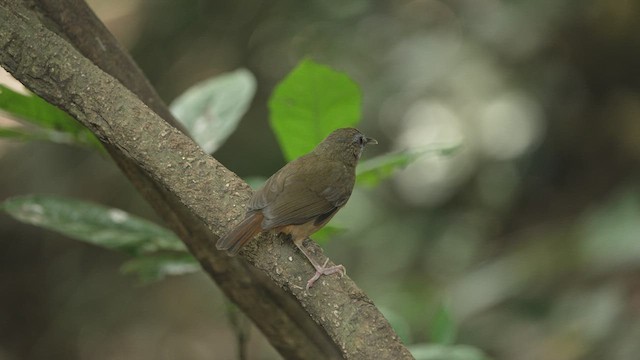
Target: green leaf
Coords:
[[107, 227], [53, 124], [18, 134], [443, 327], [446, 352], [372, 171], [155, 267], [35, 110], [399, 324], [311, 102], [609, 232], [255, 182], [42, 134], [212, 109], [327, 232]]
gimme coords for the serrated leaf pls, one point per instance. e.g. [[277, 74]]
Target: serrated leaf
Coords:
[[85, 221], [372, 171], [212, 109], [53, 124], [311, 102], [155, 267]]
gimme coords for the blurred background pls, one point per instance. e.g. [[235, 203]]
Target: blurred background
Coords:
[[526, 240]]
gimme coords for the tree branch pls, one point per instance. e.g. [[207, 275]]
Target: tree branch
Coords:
[[75, 21], [199, 199]]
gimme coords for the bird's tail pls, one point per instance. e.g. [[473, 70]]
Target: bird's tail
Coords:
[[241, 234]]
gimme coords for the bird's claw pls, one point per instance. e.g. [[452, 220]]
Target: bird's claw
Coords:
[[324, 270]]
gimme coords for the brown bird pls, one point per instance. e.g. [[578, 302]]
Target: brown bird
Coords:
[[303, 196]]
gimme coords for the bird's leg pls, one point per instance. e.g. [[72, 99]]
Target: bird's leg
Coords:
[[320, 269]]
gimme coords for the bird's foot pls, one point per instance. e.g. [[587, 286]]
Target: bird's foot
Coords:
[[324, 270]]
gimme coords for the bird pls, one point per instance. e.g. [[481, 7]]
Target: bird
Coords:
[[301, 197]]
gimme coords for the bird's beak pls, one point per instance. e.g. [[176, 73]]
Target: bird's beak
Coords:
[[371, 141]]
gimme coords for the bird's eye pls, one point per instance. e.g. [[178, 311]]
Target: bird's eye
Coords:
[[361, 140]]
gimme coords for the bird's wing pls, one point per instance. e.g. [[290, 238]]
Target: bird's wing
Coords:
[[269, 191], [302, 191]]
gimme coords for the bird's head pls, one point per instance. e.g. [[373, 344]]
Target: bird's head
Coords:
[[344, 144]]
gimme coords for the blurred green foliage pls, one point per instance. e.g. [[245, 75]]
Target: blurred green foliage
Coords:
[[48, 122], [443, 328], [211, 110], [155, 251], [372, 171], [157, 265], [110, 228], [311, 102], [446, 352]]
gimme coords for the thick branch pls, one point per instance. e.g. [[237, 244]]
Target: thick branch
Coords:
[[75, 21], [204, 195]]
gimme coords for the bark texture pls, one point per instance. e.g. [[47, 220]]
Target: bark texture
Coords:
[[198, 197]]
